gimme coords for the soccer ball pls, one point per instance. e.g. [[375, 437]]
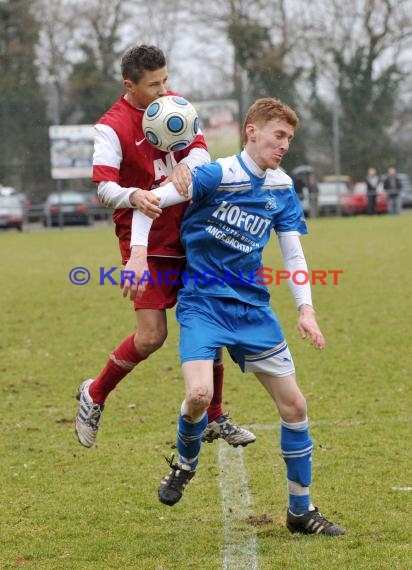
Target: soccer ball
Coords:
[[170, 123]]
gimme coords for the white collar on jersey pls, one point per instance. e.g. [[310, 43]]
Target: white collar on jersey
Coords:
[[251, 164]]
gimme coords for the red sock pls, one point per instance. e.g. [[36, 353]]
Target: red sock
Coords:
[[121, 362], [215, 408]]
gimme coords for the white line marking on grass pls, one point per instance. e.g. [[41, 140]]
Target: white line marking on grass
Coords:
[[240, 538], [343, 422], [401, 488], [274, 427]]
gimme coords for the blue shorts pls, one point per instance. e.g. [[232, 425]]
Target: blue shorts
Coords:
[[252, 335]]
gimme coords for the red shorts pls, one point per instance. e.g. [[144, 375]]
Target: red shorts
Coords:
[[162, 293]]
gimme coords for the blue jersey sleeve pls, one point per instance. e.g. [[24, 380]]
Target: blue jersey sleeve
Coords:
[[292, 218], [206, 180]]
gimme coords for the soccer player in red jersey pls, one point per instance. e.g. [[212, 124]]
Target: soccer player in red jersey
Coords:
[[125, 167]]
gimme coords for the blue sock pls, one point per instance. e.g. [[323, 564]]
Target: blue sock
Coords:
[[297, 448], [189, 435]]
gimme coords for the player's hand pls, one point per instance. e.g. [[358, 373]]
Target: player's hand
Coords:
[[136, 268], [146, 202], [181, 178], [307, 325]]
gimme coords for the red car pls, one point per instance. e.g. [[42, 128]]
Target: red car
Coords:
[[357, 201]]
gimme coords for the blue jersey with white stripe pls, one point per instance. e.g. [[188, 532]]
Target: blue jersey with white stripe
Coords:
[[229, 222]]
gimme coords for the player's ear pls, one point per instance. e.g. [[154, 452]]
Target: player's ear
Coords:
[[128, 84], [250, 132]]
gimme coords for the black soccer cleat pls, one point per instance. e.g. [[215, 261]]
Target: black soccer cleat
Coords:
[[172, 486], [312, 522]]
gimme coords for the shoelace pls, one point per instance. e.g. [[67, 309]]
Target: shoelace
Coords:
[[94, 416], [177, 474], [169, 461], [228, 427], [318, 517]]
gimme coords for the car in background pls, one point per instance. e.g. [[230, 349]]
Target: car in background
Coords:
[[32, 211], [300, 175], [7, 190], [73, 206], [25, 199], [357, 201], [406, 190], [98, 210], [11, 212], [330, 196]]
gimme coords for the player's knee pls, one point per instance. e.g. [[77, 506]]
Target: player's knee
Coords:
[[300, 408], [295, 410], [149, 341], [199, 398]]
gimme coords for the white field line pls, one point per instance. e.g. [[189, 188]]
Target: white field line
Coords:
[[343, 422], [240, 538]]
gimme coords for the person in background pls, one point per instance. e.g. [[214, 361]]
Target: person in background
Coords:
[[372, 182], [299, 186], [393, 187], [313, 190]]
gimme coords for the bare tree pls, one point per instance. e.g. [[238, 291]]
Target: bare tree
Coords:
[[103, 24], [357, 50], [79, 50], [56, 49], [23, 121], [157, 22], [294, 49]]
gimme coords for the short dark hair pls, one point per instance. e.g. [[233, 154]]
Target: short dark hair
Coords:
[[139, 59], [266, 109]]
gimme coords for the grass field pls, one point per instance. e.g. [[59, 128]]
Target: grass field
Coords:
[[66, 507]]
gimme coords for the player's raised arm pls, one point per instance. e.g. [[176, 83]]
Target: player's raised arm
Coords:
[[182, 173], [146, 202], [141, 224], [134, 282], [181, 177]]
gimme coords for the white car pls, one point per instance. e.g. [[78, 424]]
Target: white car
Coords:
[[11, 212], [406, 190], [330, 196]]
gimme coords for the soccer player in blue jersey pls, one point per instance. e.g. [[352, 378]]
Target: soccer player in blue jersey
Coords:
[[236, 203]]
